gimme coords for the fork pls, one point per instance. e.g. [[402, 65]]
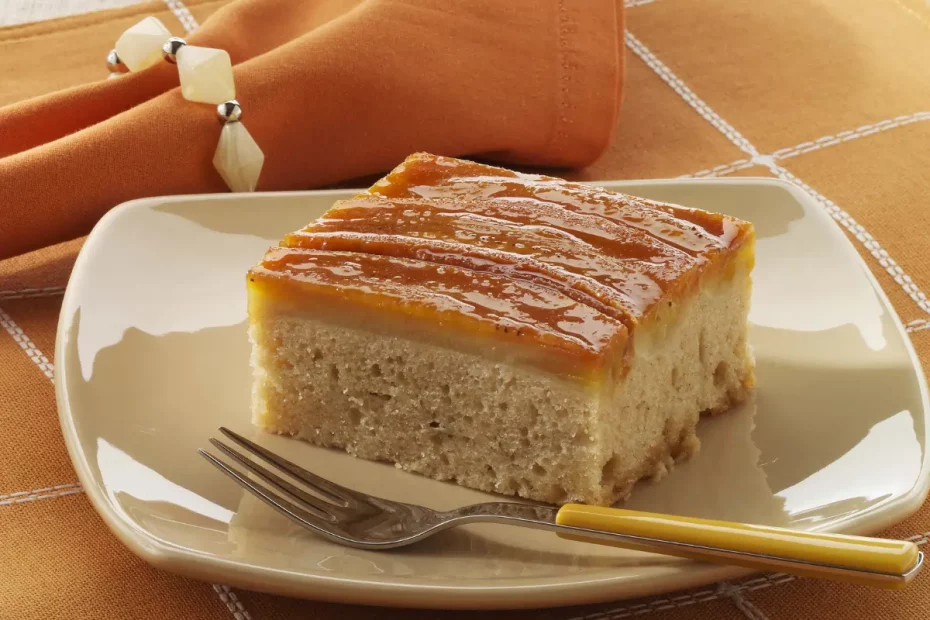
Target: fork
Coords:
[[363, 521]]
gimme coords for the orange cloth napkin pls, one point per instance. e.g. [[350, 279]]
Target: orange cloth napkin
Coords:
[[330, 90]]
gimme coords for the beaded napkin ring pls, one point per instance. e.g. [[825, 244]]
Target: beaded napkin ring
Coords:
[[206, 77]]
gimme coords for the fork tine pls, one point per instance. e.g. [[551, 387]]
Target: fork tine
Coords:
[[282, 505], [280, 483], [330, 490]]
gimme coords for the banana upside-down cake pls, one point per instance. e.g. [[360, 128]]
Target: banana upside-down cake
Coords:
[[513, 333]]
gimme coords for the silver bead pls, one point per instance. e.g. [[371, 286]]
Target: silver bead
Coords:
[[229, 112], [170, 49], [114, 64]]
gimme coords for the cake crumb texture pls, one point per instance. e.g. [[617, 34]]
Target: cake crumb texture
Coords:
[[497, 427]]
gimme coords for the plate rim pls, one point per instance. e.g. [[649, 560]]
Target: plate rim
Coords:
[[164, 555]]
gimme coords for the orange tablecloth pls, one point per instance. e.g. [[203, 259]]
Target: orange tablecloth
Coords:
[[829, 94]]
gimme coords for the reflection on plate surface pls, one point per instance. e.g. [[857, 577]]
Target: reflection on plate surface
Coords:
[[152, 357]]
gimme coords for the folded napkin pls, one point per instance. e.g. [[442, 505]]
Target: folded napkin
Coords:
[[330, 90]]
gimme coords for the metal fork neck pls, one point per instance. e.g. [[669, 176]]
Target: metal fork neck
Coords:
[[528, 515]]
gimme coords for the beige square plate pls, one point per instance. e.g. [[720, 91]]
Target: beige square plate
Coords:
[[152, 357]]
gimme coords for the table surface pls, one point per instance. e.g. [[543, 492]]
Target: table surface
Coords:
[[831, 95]]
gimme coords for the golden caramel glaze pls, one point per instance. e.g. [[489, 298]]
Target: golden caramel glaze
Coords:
[[433, 177], [583, 256], [577, 340], [581, 289], [470, 255]]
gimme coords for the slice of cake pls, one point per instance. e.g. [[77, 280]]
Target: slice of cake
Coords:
[[513, 333]]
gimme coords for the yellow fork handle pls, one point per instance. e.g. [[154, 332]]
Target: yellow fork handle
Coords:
[[858, 559]]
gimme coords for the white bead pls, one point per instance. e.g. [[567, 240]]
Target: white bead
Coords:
[[206, 74], [140, 46], [238, 158]]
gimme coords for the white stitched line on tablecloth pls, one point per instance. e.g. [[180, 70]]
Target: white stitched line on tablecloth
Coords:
[[917, 325], [777, 579], [631, 3], [14, 330], [850, 224], [702, 596], [749, 585], [183, 14], [867, 240], [739, 164], [912, 13], [232, 602], [728, 590], [841, 216], [919, 539], [846, 136], [23, 497], [767, 581], [25, 293], [656, 605], [819, 143], [688, 95]]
